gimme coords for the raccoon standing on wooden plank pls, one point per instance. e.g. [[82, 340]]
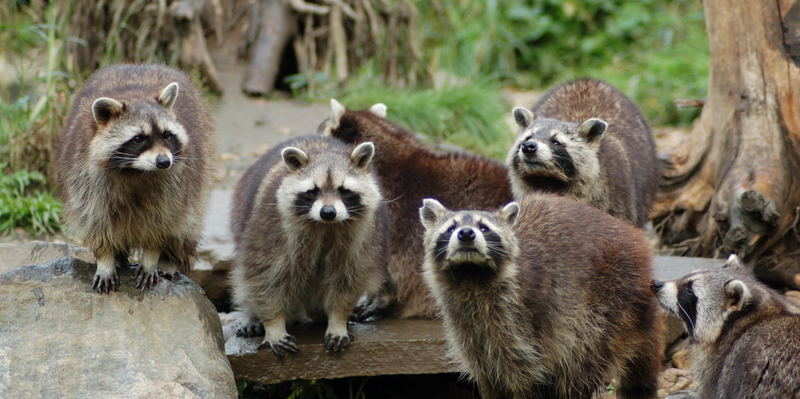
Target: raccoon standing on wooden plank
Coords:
[[548, 298], [745, 337], [135, 165], [409, 171], [586, 139], [310, 230]]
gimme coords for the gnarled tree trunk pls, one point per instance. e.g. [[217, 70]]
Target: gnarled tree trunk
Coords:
[[734, 184]]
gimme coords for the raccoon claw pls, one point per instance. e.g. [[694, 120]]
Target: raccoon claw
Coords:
[[282, 347], [252, 330], [335, 343], [370, 309], [105, 284], [146, 280]]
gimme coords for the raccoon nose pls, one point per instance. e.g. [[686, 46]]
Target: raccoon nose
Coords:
[[656, 286], [466, 234], [163, 162], [529, 147], [327, 213]]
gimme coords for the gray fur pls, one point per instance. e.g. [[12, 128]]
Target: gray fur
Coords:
[[744, 336], [289, 264], [611, 159], [114, 211]]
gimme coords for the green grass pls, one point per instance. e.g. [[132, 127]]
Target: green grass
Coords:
[[25, 202], [469, 115]]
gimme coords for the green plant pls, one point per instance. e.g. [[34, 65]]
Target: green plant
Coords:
[[24, 202]]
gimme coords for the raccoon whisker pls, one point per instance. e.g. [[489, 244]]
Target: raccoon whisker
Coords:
[[687, 315]]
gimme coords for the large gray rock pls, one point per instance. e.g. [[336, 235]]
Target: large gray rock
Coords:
[[60, 339]]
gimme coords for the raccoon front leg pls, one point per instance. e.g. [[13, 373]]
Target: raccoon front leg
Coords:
[[276, 338], [147, 274], [105, 277], [336, 335]]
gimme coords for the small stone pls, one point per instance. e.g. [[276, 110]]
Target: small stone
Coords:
[[672, 380]]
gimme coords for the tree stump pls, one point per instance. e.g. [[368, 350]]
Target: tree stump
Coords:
[[734, 184]]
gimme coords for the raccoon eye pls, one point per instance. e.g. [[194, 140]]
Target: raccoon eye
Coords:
[[483, 228], [345, 192], [312, 192], [451, 229], [166, 134], [138, 138], [688, 290], [556, 142]]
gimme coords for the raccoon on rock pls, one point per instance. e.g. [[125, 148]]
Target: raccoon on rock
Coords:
[[409, 171], [309, 225], [744, 336], [588, 140], [135, 162], [548, 298]]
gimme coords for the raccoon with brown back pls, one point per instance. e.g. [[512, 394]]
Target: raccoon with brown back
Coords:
[[744, 336], [309, 225], [548, 298], [409, 171], [135, 164], [586, 139]]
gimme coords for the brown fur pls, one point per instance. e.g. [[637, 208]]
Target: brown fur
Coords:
[[629, 169], [113, 212], [566, 309], [287, 264], [409, 172]]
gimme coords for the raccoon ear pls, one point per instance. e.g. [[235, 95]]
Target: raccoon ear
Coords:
[[592, 129], [509, 213], [362, 154], [337, 110], [168, 95], [378, 109], [523, 116], [733, 262], [430, 212], [104, 109], [294, 158], [737, 295]]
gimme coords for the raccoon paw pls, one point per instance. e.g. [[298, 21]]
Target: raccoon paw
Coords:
[[371, 308], [145, 279], [104, 284], [251, 330], [335, 343], [281, 347]]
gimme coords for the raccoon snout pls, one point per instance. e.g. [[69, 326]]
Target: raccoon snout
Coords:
[[163, 162], [656, 286], [327, 213], [466, 234], [529, 147]]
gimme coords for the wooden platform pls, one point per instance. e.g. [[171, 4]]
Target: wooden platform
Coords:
[[387, 347]]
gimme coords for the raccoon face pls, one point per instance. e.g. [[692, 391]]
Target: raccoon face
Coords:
[[331, 189], [556, 149], [344, 127], [142, 136], [705, 301], [468, 241]]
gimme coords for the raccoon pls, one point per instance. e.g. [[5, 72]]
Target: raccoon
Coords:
[[409, 172], [586, 139], [744, 335], [547, 297], [135, 165], [309, 225]]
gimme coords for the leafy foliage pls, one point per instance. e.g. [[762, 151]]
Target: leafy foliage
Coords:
[[25, 203]]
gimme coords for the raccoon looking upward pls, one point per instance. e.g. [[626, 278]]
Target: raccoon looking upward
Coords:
[[409, 171], [135, 162], [744, 336], [310, 230], [548, 298], [588, 140]]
